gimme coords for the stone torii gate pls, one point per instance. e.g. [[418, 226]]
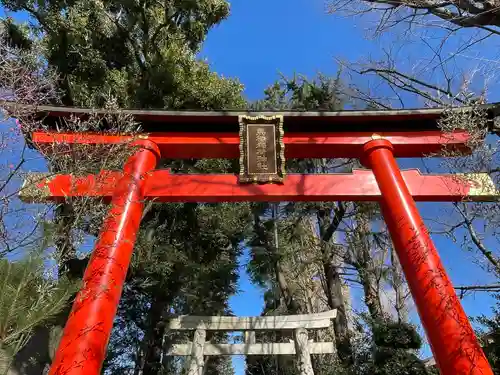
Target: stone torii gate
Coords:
[[375, 137], [301, 346]]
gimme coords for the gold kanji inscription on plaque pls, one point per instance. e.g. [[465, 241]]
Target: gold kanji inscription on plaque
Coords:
[[261, 149]]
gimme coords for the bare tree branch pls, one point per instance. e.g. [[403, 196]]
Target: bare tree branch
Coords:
[[488, 254], [484, 14]]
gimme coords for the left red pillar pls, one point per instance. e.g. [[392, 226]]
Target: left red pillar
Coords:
[[83, 345]]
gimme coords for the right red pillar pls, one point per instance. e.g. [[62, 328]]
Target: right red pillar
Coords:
[[452, 339]]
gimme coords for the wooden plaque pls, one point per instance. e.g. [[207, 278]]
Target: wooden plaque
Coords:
[[262, 152]]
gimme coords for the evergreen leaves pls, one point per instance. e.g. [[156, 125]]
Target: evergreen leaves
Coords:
[[490, 336], [29, 298]]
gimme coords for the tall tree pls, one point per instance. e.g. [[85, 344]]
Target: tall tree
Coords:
[[141, 52], [295, 244], [322, 94], [311, 252]]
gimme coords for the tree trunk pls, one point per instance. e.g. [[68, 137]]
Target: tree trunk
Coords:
[[333, 283], [368, 273], [371, 291], [335, 300], [291, 305], [398, 284], [154, 338], [271, 242]]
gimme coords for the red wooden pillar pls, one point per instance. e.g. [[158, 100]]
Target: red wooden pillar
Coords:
[[83, 345], [453, 342]]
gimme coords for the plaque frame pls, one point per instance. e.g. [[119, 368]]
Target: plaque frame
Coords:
[[245, 175]]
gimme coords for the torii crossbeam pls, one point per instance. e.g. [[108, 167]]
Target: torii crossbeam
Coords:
[[162, 186], [375, 137]]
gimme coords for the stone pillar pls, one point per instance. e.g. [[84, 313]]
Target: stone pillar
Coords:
[[249, 337], [302, 349], [196, 362]]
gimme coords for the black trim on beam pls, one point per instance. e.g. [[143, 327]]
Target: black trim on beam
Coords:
[[227, 121]]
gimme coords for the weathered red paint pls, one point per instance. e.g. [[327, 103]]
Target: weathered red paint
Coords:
[[297, 145], [83, 345], [360, 185], [453, 342]]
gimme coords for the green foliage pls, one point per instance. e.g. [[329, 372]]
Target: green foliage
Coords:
[[268, 365], [28, 299], [490, 336], [140, 52], [300, 94], [396, 335], [388, 361], [191, 249], [392, 352], [15, 35]]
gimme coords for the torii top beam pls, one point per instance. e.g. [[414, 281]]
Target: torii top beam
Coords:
[[342, 134], [153, 121]]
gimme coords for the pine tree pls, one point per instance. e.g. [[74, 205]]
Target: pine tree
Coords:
[[29, 299]]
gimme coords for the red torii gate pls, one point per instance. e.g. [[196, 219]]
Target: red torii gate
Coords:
[[375, 137]]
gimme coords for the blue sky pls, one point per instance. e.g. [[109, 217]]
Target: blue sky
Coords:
[[264, 38]]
